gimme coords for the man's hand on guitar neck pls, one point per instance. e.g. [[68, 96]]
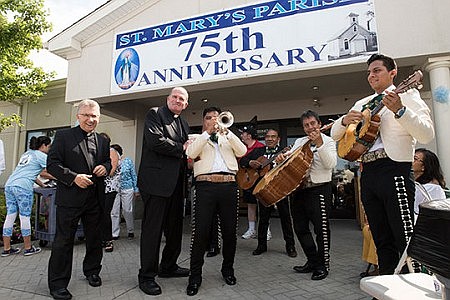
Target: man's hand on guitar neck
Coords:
[[392, 101], [352, 117]]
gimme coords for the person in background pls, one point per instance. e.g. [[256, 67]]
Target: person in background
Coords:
[[125, 197], [312, 201], [19, 194], [214, 153], [161, 181], [249, 137], [112, 186], [272, 149], [79, 159], [369, 251], [387, 187], [430, 183]]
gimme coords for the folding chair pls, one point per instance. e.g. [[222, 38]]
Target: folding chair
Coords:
[[429, 245]]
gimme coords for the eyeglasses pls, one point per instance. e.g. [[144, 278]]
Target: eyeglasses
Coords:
[[416, 158], [89, 116]]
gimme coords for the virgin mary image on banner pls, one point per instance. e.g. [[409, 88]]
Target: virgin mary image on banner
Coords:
[[127, 68]]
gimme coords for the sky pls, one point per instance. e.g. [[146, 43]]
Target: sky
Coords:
[[62, 14]]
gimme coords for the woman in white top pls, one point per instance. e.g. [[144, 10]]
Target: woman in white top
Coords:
[[430, 182]]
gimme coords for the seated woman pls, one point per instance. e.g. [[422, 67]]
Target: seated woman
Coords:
[[430, 182]]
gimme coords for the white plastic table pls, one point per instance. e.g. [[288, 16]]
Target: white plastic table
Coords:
[[410, 286]]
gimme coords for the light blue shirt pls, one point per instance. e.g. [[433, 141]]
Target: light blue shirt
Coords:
[[30, 165], [128, 179]]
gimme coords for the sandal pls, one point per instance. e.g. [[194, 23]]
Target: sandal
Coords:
[[109, 247]]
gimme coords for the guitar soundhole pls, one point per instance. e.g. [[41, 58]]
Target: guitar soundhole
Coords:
[[358, 127]]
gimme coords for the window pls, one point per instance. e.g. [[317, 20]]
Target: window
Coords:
[[37, 133]]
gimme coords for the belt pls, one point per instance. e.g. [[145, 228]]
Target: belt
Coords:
[[309, 184], [216, 178], [373, 156]]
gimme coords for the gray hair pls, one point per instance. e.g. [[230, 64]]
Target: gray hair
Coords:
[[181, 90], [88, 102]]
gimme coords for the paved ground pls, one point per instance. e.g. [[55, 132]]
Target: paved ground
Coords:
[[268, 276]]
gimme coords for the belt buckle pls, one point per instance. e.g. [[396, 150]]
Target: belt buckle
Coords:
[[374, 155]]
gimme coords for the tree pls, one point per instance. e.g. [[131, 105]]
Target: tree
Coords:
[[22, 23]]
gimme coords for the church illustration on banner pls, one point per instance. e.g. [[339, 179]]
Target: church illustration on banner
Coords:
[[355, 40]]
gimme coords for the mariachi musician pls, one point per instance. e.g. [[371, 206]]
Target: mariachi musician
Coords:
[[387, 187], [312, 201], [258, 159], [215, 153]]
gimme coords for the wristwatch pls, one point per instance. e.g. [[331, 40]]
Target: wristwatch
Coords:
[[400, 112]]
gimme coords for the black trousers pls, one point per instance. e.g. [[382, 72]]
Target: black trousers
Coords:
[[211, 199], [67, 218], [387, 193], [215, 233], [161, 214], [313, 205], [285, 219], [106, 224]]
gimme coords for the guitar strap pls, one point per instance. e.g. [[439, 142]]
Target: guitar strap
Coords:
[[373, 103]]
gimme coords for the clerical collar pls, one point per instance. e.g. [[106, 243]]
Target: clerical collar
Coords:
[[86, 133]]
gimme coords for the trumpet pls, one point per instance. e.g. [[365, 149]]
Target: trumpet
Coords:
[[224, 121]]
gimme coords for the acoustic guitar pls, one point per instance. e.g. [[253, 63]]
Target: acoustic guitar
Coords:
[[247, 177], [358, 138]]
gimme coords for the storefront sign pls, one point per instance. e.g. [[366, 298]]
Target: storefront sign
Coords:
[[260, 39]]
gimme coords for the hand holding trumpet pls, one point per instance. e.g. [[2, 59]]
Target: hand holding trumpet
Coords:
[[214, 122]]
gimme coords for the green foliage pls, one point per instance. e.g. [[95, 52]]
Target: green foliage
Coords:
[[22, 23], [6, 122]]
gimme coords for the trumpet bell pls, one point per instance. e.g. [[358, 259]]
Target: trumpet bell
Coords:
[[225, 119]]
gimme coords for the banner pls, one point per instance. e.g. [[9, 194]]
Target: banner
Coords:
[[260, 39]]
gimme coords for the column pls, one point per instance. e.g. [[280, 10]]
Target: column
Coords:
[[438, 67]]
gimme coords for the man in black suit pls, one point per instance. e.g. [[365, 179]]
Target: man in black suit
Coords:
[[161, 179], [79, 160]]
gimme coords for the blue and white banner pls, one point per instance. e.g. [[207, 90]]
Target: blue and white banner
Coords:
[[260, 39]]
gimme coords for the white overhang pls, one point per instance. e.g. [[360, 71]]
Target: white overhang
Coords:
[[68, 43]]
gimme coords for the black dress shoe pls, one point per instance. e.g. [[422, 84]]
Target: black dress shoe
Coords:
[[179, 272], [94, 280], [150, 287], [319, 274], [291, 252], [230, 279], [259, 250], [306, 268], [213, 251], [61, 294], [192, 289]]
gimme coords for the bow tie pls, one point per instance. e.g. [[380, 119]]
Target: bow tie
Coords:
[[214, 137], [270, 151]]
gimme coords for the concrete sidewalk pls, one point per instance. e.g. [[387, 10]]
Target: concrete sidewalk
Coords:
[[268, 276]]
